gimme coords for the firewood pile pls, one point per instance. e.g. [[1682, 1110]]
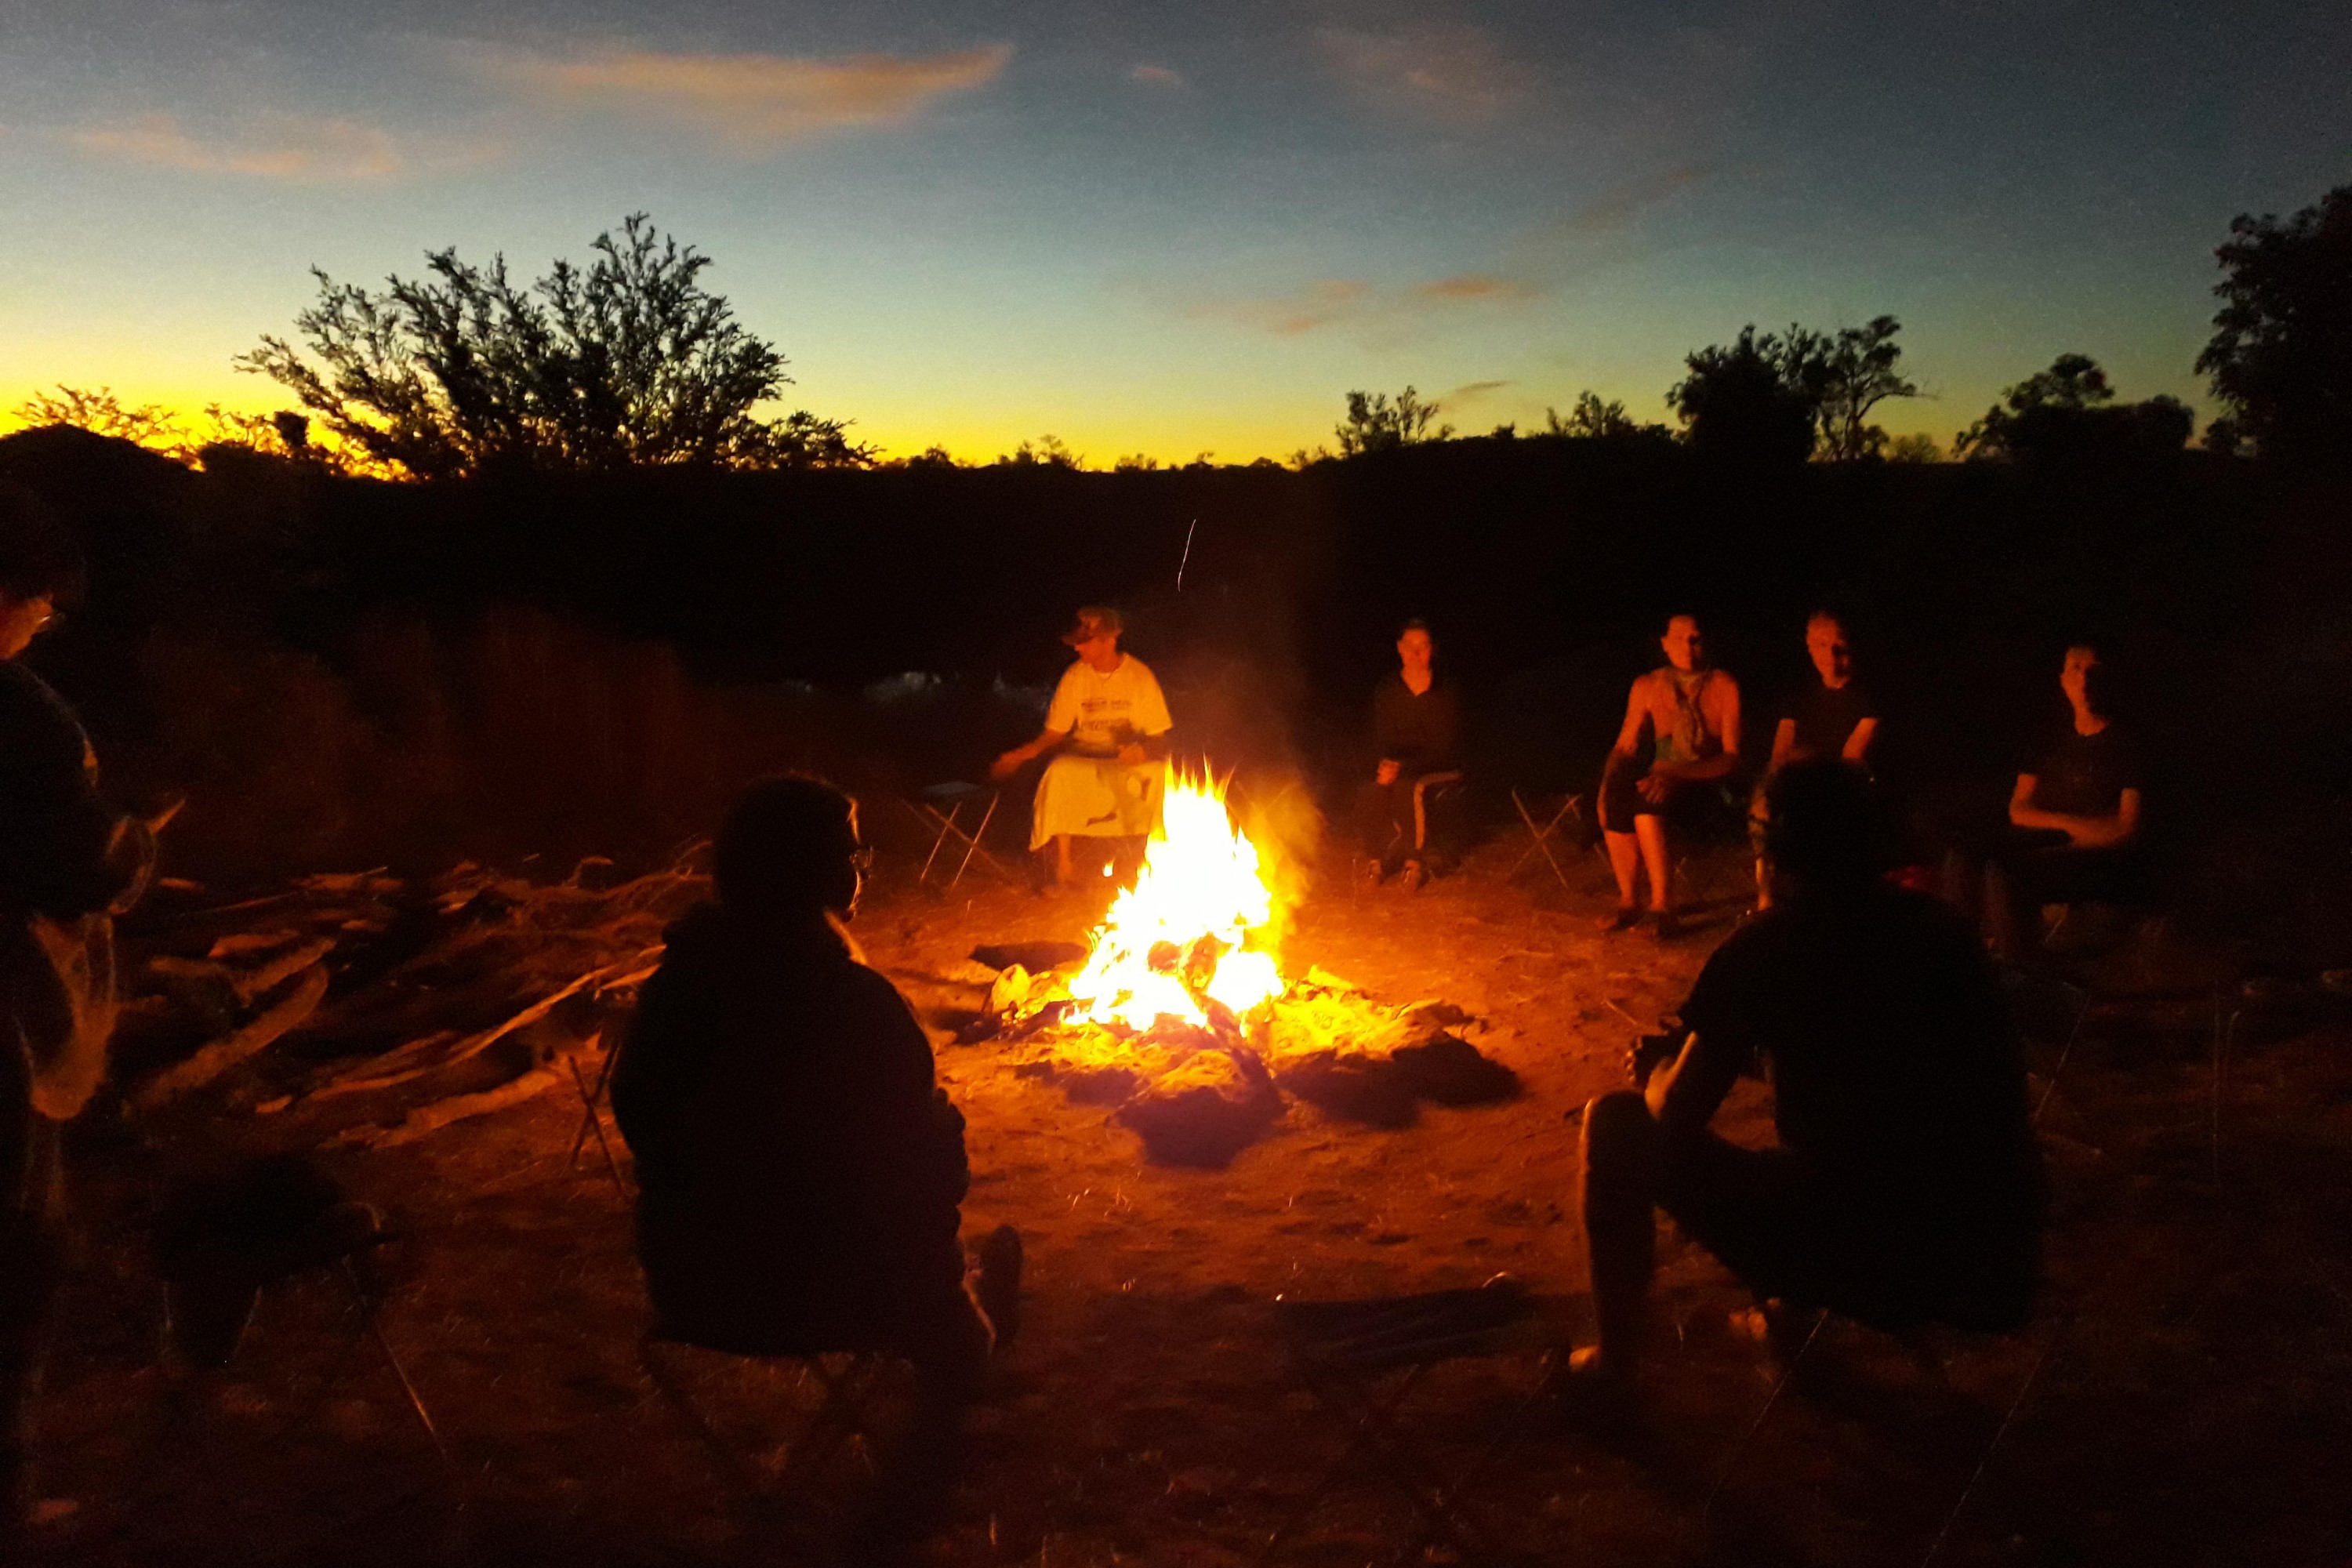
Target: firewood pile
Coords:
[[1198, 1095], [367, 1009]]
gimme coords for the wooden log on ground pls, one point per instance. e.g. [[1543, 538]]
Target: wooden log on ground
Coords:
[[427, 1120], [301, 999]]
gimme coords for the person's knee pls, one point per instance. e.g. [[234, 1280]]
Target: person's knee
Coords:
[[1620, 1133]]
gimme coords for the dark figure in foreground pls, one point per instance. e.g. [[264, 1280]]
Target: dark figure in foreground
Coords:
[[1417, 732], [1907, 1188], [1680, 740], [67, 863], [800, 1172], [2074, 819]]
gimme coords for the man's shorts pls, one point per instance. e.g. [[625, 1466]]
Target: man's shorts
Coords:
[[1685, 804]]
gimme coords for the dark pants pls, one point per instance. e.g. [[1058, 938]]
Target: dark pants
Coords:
[[1785, 1233], [1409, 818], [1687, 806], [2024, 869]]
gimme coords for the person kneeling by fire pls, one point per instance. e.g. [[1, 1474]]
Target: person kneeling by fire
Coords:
[[1907, 1188], [1107, 731], [800, 1173]]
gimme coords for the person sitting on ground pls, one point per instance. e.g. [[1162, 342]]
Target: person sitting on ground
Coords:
[[1681, 735], [1417, 730], [800, 1173], [2073, 814], [1832, 715], [69, 862], [1906, 1188], [1107, 731]]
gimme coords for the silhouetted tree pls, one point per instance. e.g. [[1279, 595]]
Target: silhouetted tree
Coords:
[[2281, 356], [628, 361], [2069, 412], [1376, 423], [1590, 420], [102, 413], [1851, 374], [1754, 400]]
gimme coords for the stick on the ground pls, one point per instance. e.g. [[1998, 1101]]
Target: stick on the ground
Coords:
[[1999, 1433], [212, 1060], [427, 1119]]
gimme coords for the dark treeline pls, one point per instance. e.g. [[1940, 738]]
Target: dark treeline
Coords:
[[302, 650]]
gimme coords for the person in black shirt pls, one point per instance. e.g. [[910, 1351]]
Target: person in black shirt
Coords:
[[2075, 817], [1417, 733], [1906, 1186], [800, 1172], [69, 863], [1832, 715]]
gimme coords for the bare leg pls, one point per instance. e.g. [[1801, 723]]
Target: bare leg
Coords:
[[1625, 860], [1652, 833], [1619, 1180], [2005, 921], [1062, 872]]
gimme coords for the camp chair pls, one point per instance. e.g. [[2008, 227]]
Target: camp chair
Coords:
[[846, 1382], [946, 825], [1571, 809], [1362, 1360]]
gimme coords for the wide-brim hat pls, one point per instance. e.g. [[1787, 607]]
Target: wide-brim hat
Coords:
[[1094, 621]]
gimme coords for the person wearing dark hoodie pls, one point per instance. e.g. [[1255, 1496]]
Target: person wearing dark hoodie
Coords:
[[800, 1172], [69, 863]]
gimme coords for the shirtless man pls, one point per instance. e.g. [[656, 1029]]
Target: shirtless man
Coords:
[[1681, 731]]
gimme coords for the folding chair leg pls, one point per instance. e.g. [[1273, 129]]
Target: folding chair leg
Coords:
[[1540, 835], [972, 844], [947, 825], [591, 1098]]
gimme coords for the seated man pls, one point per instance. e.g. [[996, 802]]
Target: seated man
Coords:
[[1832, 715], [2075, 812], [1906, 1188], [799, 1173], [1107, 730], [1417, 730], [1681, 733]]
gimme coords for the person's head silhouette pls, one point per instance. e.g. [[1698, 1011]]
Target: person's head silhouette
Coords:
[[789, 847], [1823, 830]]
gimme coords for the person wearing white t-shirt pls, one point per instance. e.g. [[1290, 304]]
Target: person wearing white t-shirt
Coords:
[[1107, 731]]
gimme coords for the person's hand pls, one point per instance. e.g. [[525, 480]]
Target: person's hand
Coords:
[[1655, 786], [1386, 773], [1005, 766], [1132, 754]]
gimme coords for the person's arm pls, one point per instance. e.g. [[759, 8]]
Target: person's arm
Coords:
[[1020, 757], [1155, 727], [1857, 745], [1629, 736], [1784, 745], [1685, 1094], [2083, 832]]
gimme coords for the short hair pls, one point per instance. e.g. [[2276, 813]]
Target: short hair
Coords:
[[1824, 825], [1690, 616], [783, 844], [1833, 614], [1416, 625], [38, 556]]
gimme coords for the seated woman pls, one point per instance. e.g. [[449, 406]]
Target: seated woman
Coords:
[[1417, 730], [2074, 818], [1107, 731]]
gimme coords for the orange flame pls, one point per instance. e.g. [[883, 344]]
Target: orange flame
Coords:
[[1185, 931]]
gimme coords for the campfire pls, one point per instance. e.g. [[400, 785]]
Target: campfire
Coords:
[[1179, 1012]]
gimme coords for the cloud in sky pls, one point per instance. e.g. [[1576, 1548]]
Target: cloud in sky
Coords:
[[754, 102], [1157, 76], [320, 152], [1473, 286], [1612, 213], [1342, 302], [1447, 73], [1470, 392]]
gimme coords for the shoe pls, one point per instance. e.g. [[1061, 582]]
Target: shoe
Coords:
[[1369, 873], [1624, 917], [1666, 925], [1585, 1394], [1416, 874], [998, 1285]]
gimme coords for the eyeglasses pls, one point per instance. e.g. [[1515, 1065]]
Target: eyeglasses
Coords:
[[863, 858]]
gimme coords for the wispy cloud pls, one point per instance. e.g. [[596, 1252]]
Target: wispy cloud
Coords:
[[1157, 76], [1353, 301], [1612, 212], [1471, 392], [320, 152], [756, 101], [1447, 73]]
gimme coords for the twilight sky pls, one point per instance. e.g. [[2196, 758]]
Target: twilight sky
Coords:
[[1175, 227]]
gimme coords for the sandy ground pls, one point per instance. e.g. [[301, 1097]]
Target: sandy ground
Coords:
[[2182, 1397]]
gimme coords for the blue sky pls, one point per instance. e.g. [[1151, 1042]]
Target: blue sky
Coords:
[[1171, 229]]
